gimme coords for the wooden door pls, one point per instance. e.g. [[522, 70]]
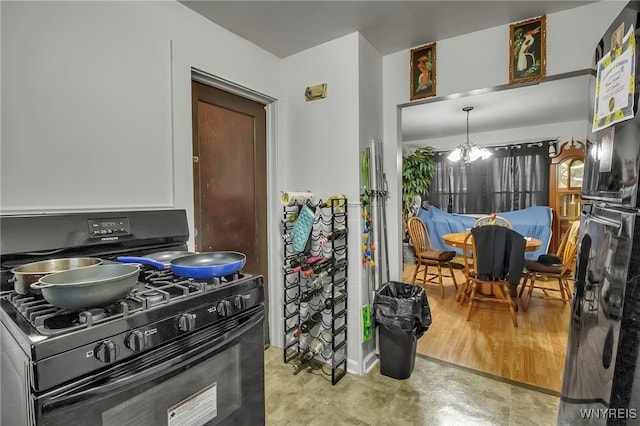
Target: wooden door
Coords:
[[229, 175]]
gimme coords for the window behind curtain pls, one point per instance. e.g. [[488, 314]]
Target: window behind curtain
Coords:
[[513, 178]]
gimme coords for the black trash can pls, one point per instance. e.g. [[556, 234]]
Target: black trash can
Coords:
[[403, 314]]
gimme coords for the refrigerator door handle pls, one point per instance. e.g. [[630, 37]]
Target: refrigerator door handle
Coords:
[[605, 221]]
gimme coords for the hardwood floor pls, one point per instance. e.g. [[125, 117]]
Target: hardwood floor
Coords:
[[533, 353]]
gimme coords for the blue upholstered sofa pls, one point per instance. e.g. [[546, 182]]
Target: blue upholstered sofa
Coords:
[[530, 222]]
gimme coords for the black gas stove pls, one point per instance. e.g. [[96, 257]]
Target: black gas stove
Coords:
[[165, 317], [162, 307], [156, 289]]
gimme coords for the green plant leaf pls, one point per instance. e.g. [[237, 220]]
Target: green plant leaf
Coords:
[[417, 171]]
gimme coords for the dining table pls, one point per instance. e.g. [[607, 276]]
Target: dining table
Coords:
[[457, 240]]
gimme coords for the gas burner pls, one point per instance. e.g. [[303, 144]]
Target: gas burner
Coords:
[[153, 298], [94, 314], [61, 321]]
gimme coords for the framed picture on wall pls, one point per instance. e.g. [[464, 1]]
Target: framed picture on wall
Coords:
[[423, 71], [528, 50]]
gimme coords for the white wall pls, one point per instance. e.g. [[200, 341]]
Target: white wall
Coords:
[[96, 106], [370, 126], [321, 136], [320, 149], [481, 59]]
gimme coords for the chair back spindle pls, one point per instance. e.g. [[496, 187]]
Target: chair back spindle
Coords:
[[427, 256], [492, 219]]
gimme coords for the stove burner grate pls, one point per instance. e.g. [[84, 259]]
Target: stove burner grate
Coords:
[[63, 321], [164, 276], [93, 314], [155, 288]]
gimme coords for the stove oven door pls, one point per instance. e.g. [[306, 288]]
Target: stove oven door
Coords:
[[210, 377]]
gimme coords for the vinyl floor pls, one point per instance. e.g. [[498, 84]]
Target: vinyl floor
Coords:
[[435, 394]]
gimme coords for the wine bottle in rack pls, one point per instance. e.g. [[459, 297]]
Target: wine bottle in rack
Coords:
[[305, 263], [330, 301], [317, 345], [337, 201], [336, 234], [315, 287], [296, 261], [305, 260], [330, 268], [291, 218], [317, 267], [308, 325], [339, 266]]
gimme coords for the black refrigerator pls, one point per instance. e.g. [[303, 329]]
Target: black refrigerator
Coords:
[[601, 381]]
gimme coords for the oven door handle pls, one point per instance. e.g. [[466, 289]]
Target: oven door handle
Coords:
[[65, 399]]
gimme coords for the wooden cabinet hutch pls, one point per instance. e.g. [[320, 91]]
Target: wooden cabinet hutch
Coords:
[[565, 185]]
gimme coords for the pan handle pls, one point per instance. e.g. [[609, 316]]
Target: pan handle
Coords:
[[142, 260], [38, 285]]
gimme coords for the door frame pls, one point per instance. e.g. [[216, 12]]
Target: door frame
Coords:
[[273, 206]]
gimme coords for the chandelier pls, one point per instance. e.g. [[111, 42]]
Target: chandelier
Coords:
[[468, 151]]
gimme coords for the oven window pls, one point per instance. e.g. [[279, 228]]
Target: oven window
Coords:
[[204, 394]]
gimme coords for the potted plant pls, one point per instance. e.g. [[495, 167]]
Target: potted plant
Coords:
[[417, 170]]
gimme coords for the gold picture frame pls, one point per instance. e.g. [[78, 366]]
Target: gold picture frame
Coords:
[[423, 71], [528, 50]]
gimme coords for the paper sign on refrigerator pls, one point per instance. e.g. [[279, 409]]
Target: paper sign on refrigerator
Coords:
[[615, 85]]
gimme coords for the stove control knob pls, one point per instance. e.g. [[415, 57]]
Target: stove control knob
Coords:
[[240, 302], [187, 322], [106, 351], [135, 341], [224, 308]]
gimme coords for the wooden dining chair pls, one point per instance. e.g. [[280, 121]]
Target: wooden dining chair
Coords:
[[427, 256], [538, 274], [492, 219], [484, 290]]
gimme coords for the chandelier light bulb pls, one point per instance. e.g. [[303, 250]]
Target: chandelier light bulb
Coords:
[[468, 152]]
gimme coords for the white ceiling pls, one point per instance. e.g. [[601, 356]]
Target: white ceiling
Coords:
[[287, 27]]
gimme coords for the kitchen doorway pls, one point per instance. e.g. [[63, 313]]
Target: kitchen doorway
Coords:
[[230, 175]]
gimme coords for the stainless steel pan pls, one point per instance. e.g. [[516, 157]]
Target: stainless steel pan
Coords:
[[83, 288], [27, 274]]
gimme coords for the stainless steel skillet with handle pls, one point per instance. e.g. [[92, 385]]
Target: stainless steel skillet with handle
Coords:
[[79, 289]]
